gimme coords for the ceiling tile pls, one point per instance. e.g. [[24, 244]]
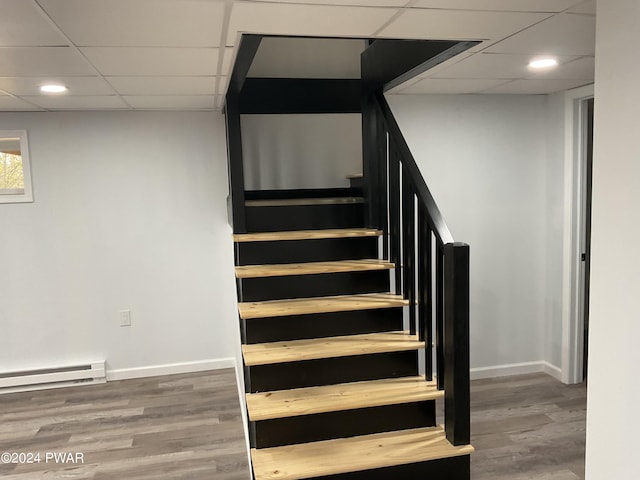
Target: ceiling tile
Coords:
[[10, 104], [360, 3], [579, 69], [158, 23], [78, 102], [563, 34], [76, 85], [441, 85], [307, 58], [306, 20], [535, 87], [123, 61], [174, 102], [22, 24], [36, 61], [161, 54], [586, 8], [459, 24], [487, 65], [163, 85], [499, 5]]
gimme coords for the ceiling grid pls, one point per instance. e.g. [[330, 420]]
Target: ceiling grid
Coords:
[[177, 54]]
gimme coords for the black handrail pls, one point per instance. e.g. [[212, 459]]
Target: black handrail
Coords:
[[432, 271], [434, 217]]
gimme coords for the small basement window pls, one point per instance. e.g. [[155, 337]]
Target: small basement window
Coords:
[[15, 172]]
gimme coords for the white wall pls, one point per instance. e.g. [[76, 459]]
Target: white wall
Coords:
[[485, 160], [301, 151], [613, 396], [129, 213]]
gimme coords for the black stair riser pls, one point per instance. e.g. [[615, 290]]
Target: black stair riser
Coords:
[[320, 285], [321, 325], [454, 468], [304, 217], [348, 423], [328, 371], [298, 251]]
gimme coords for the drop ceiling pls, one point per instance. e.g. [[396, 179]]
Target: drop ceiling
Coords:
[[177, 54]]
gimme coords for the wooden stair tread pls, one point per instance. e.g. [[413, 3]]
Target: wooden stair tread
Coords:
[[344, 396], [312, 268], [317, 348], [343, 455], [294, 202], [304, 306], [306, 234]]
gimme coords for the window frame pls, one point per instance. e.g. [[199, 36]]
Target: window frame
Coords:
[[27, 195]]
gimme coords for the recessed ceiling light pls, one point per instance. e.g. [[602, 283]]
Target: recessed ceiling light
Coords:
[[53, 88], [541, 63]]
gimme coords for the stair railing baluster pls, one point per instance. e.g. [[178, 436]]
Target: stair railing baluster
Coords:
[[382, 154], [394, 213], [425, 290], [429, 292], [439, 304], [431, 271], [408, 232], [414, 261]]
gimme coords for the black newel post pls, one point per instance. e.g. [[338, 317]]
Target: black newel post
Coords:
[[456, 343]]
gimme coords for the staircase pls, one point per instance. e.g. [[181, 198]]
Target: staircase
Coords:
[[352, 302], [332, 379]]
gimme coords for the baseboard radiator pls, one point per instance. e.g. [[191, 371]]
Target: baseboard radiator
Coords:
[[46, 378]]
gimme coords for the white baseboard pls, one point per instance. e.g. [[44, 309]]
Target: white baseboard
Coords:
[[170, 369], [515, 369], [218, 363], [555, 372]]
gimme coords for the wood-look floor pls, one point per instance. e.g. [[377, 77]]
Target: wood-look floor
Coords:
[[178, 427], [529, 427]]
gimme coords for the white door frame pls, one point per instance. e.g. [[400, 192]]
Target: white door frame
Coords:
[[574, 218]]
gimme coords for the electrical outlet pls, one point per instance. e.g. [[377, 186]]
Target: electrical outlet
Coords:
[[125, 318]]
